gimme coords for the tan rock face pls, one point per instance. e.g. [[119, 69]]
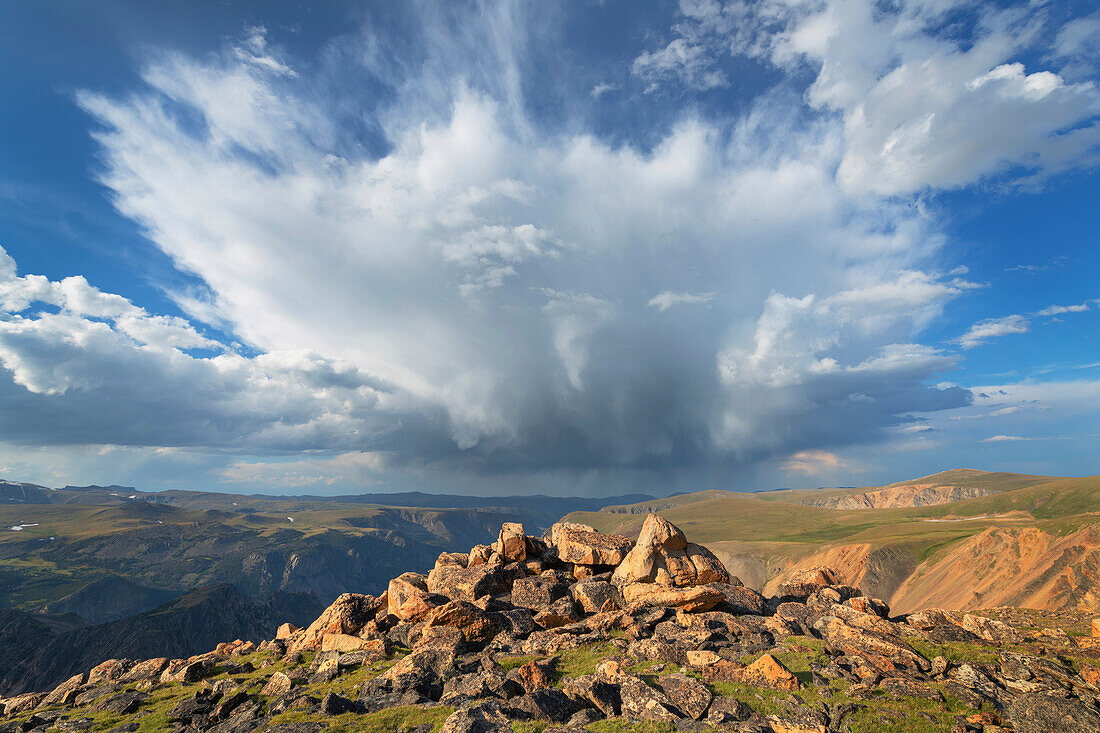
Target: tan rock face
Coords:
[[148, 669], [804, 583], [475, 624], [347, 615], [583, 545], [344, 643], [991, 629], [64, 693], [455, 559], [663, 555], [285, 631], [465, 584], [696, 598], [409, 599], [767, 671], [512, 542]]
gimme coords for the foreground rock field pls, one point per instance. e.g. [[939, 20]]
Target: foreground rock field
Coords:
[[579, 630]]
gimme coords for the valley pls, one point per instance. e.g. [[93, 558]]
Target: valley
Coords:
[[961, 539]]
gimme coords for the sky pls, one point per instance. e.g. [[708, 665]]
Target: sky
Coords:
[[570, 248]]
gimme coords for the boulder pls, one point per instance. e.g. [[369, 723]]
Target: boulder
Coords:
[[1039, 713], [767, 671], [466, 584], [285, 631], [991, 630], [535, 675], [477, 719], [347, 615], [741, 599], [477, 626], [698, 598], [591, 690], [802, 583], [66, 692], [639, 566], [659, 532], [642, 702], [663, 555], [689, 696], [537, 593], [108, 671], [452, 559], [561, 612], [544, 704], [343, 643], [479, 555], [278, 684], [512, 542], [583, 545], [595, 596], [409, 598], [727, 710], [148, 669]]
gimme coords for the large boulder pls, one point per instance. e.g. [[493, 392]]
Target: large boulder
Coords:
[[595, 596], [478, 627], [511, 544], [663, 555], [698, 598], [688, 695], [409, 597], [348, 614], [767, 671], [466, 584], [583, 545], [537, 593], [801, 584]]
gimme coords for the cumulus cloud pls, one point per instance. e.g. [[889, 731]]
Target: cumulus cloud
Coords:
[[668, 299], [814, 463], [474, 293], [1057, 310], [992, 328], [921, 104]]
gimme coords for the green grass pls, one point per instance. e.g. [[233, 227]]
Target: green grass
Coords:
[[383, 721]]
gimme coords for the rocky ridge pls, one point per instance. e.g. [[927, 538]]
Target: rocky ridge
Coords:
[[578, 630]]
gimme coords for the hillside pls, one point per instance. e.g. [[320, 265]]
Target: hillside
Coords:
[[36, 656], [181, 540], [581, 631], [963, 530]]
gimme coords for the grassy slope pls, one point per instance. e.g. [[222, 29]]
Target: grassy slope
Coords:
[[776, 526]]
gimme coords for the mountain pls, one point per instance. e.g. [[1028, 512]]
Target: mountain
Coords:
[[37, 656], [583, 631], [109, 598], [961, 539], [12, 492], [181, 540]]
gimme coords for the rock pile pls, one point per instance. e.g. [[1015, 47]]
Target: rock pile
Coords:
[[577, 626]]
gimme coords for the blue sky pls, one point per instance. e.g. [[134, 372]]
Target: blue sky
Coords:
[[578, 248]]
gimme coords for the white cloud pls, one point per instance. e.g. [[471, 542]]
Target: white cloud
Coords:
[[816, 463], [667, 299], [681, 58], [992, 328], [1004, 438], [603, 88], [1057, 310], [920, 104], [358, 468], [468, 296]]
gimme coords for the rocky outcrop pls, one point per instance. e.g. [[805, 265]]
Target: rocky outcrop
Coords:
[[908, 495], [524, 632]]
